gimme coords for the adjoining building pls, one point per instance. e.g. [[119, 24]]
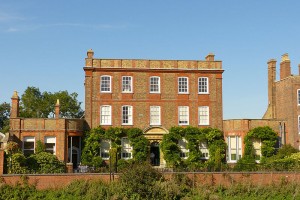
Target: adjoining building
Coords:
[[153, 95]]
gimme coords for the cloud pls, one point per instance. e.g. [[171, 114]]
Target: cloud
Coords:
[[4, 17], [12, 30]]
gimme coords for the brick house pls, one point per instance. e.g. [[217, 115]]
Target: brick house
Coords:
[[61, 136], [284, 98], [153, 95]]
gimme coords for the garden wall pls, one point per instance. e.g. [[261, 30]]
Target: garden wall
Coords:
[[226, 179]]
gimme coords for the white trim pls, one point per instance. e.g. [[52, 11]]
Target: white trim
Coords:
[[110, 83], [207, 85], [238, 148], [154, 92], [110, 115], [188, 115], [130, 115], [159, 116], [28, 139], [131, 86], [50, 139], [187, 85]]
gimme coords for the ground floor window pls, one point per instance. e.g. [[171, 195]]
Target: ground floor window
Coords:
[[50, 144], [234, 151], [204, 150], [126, 149], [28, 145], [104, 149], [184, 151]]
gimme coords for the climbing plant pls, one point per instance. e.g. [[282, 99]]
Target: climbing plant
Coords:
[[92, 143], [213, 138]]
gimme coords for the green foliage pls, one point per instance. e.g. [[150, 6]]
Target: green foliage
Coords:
[[194, 136], [4, 117], [35, 104], [92, 144], [45, 163], [18, 164], [286, 150], [40, 147]]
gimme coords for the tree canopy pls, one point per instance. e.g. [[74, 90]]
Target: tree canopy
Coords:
[[4, 117], [35, 104]]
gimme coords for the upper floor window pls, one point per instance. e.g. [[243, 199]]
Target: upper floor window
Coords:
[[204, 150], [203, 85], [50, 144], [183, 115], [154, 84], [28, 145], [127, 115], [105, 115], [234, 151], [105, 84], [183, 85], [104, 149], [154, 115], [298, 94], [203, 114], [126, 149], [299, 124], [126, 84], [184, 151]]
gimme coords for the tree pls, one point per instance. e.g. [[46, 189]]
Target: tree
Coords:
[[35, 104], [4, 117]]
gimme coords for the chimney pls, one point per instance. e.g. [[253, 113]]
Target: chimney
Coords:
[[210, 57], [90, 53], [285, 66], [271, 86], [57, 109], [15, 105]]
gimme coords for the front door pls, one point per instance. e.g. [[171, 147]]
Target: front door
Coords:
[[154, 154]]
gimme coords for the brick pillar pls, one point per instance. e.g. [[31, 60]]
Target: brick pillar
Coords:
[[57, 109], [69, 167], [285, 66], [210, 57], [1, 161], [14, 105], [271, 86]]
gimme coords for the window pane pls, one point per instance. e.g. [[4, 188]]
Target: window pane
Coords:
[[183, 112], [203, 115], [105, 115], [203, 85], [154, 84], [105, 84], [126, 84], [184, 151], [182, 85], [154, 115], [104, 149], [127, 115], [126, 149]]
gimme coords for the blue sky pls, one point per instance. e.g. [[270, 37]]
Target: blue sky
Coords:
[[44, 43]]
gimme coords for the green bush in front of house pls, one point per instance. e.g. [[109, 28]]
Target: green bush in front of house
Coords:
[[92, 145], [213, 138]]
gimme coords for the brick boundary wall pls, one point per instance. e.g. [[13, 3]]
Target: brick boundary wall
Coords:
[[226, 179]]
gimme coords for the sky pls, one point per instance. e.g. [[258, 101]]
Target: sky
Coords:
[[44, 43]]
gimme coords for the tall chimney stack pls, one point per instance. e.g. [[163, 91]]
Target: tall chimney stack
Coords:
[[210, 57], [271, 87], [57, 109], [15, 106], [285, 66]]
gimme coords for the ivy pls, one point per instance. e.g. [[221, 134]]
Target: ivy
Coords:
[[92, 143], [194, 136]]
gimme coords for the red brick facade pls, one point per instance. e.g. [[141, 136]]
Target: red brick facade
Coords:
[[140, 98]]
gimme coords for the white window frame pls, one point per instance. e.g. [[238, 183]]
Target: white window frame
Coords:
[[184, 151], [181, 83], [298, 97], [155, 118], [28, 139], [101, 82], [203, 147], [151, 83], [127, 84], [203, 88], [129, 115], [126, 152], [50, 140], [104, 150], [203, 115], [238, 148], [181, 116], [105, 118]]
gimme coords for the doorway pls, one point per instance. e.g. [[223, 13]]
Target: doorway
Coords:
[[154, 154]]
